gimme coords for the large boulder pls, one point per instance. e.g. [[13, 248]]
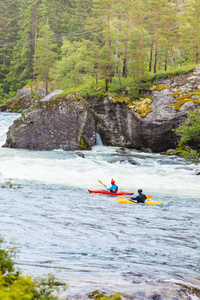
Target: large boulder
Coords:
[[55, 123]]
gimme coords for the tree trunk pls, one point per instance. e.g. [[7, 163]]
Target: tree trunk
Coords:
[[166, 59], [116, 54], [197, 55], [151, 57], [125, 68], [96, 78], [124, 72], [46, 86], [107, 85], [155, 61]]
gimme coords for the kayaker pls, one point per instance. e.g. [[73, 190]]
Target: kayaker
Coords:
[[140, 198], [114, 187]]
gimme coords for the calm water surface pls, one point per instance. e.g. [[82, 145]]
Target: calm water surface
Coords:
[[90, 240]]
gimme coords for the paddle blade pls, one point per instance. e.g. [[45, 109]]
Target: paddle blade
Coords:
[[148, 197], [103, 184], [100, 182]]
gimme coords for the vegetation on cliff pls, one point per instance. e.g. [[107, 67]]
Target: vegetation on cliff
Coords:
[[189, 132]]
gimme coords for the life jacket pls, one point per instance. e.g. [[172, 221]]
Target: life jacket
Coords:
[[142, 198], [114, 187]]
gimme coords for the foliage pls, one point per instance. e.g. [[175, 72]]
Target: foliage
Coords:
[[103, 40], [72, 69], [9, 184], [45, 56], [14, 286], [99, 296], [189, 132]]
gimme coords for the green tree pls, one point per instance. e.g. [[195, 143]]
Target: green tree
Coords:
[[73, 67], [193, 16], [8, 35], [155, 15], [100, 24], [169, 31], [22, 67], [45, 54], [189, 132]]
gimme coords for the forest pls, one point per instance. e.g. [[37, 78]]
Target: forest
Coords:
[[69, 43]]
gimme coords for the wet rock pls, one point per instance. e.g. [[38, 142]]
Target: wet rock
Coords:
[[184, 168], [149, 287], [123, 151], [148, 150], [60, 123], [80, 154], [25, 98], [170, 152], [197, 171], [124, 160]]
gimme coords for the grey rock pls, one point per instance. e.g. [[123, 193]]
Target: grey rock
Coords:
[[64, 123], [123, 151], [197, 171], [80, 154]]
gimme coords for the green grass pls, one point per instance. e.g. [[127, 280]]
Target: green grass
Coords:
[[129, 87]]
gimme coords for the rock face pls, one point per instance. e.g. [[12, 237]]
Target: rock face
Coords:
[[172, 99], [63, 123], [71, 122], [23, 100], [119, 126]]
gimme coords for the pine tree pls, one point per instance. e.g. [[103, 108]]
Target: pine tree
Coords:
[[169, 30], [45, 54], [193, 30], [100, 24], [22, 68], [8, 36]]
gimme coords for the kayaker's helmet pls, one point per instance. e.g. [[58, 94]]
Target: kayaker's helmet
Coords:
[[113, 181], [140, 190]]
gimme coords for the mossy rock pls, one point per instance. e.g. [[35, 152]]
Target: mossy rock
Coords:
[[99, 296], [141, 106]]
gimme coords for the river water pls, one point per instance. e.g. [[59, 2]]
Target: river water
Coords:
[[89, 240]]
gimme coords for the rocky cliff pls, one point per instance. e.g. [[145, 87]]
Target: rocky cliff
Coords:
[[58, 122]]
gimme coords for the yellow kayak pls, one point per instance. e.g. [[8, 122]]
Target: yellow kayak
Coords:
[[127, 201]]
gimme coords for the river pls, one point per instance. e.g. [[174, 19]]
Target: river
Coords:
[[91, 241]]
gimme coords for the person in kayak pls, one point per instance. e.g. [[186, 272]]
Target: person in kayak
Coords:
[[140, 198], [114, 187]]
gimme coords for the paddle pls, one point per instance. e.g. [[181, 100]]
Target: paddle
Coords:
[[103, 184], [148, 197]]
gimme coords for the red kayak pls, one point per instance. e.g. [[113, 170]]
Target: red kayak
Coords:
[[109, 193]]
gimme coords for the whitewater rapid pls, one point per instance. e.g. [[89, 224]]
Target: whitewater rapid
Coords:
[[155, 174]]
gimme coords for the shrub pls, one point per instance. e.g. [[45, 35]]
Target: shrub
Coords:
[[15, 286], [189, 132]]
